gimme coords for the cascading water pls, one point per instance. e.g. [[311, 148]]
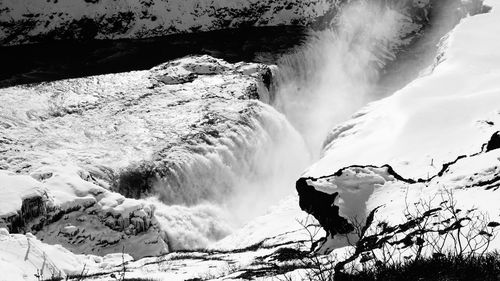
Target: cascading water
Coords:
[[372, 49], [322, 83], [235, 177], [319, 85]]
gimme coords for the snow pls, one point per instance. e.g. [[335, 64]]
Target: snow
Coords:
[[14, 189], [280, 225], [92, 215], [23, 255], [192, 129], [434, 119]]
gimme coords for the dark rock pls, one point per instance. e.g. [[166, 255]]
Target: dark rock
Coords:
[[494, 142], [322, 206], [32, 207], [134, 181]]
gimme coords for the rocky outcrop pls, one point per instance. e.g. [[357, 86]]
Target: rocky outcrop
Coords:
[[28, 22], [343, 201], [493, 143], [322, 207], [93, 221]]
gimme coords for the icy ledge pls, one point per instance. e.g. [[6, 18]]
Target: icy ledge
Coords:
[[439, 132]]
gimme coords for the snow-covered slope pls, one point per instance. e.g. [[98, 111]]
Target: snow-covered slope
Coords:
[[432, 135], [24, 257], [30, 21]]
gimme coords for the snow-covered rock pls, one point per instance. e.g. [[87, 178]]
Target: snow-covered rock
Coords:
[[29, 21], [432, 135], [79, 215]]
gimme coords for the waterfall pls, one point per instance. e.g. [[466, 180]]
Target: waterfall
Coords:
[[323, 82], [317, 86], [203, 192]]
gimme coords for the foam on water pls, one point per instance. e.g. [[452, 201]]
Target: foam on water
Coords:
[[234, 179]]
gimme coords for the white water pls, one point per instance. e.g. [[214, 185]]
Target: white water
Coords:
[[319, 85], [237, 178], [334, 74]]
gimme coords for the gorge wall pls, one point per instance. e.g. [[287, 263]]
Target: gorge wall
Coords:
[[30, 21]]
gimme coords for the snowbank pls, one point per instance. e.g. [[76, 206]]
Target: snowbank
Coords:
[[24, 257]]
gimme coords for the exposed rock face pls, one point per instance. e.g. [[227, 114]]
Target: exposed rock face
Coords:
[[336, 200], [33, 206], [28, 21], [322, 207], [494, 142]]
